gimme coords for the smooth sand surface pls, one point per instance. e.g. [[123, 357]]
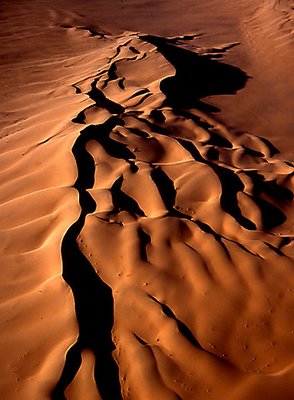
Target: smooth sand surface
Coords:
[[146, 200]]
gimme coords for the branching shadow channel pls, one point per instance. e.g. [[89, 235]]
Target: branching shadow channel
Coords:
[[93, 298]]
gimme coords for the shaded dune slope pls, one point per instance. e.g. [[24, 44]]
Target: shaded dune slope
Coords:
[[189, 226], [164, 248]]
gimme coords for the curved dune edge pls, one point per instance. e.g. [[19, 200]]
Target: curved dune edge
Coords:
[[184, 241], [190, 226]]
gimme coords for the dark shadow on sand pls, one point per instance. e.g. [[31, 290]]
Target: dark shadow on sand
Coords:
[[197, 76], [93, 298]]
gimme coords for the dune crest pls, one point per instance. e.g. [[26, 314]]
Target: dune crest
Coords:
[[189, 225], [146, 246]]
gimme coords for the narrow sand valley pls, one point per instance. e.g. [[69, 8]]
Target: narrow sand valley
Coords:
[[146, 200]]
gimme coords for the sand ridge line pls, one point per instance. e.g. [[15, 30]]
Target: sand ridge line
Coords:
[[158, 222], [90, 292], [143, 145]]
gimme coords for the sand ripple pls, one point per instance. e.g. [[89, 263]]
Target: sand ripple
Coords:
[[149, 245], [189, 225]]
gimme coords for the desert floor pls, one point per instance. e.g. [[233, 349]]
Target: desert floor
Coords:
[[146, 200]]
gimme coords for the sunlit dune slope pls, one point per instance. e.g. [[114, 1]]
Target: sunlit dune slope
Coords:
[[146, 225]]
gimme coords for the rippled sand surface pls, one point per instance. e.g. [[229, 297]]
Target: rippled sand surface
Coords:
[[146, 200]]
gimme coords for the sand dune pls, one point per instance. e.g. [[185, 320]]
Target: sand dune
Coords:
[[146, 211]]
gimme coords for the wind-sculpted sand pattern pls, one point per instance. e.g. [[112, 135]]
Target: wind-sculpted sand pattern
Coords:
[[184, 235], [150, 247]]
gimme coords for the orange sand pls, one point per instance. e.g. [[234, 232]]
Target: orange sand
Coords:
[[146, 200]]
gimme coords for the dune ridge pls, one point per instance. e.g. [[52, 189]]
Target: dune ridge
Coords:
[[180, 213], [150, 246]]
